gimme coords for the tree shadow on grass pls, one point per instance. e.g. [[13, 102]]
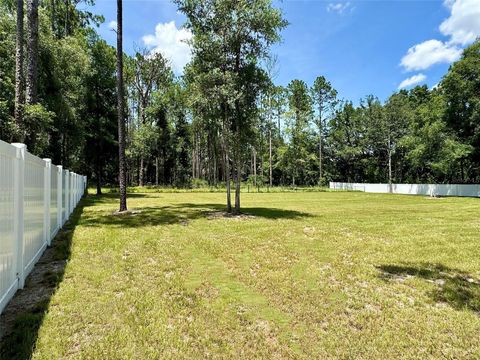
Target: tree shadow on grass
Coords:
[[180, 214], [23, 316], [261, 212], [93, 200], [454, 287]]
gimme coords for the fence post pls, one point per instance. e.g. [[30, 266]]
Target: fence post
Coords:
[[67, 195], [72, 188], [59, 196], [74, 200], [19, 183], [76, 190], [47, 188]]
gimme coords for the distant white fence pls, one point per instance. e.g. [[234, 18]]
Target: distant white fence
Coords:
[[36, 199], [412, 189]]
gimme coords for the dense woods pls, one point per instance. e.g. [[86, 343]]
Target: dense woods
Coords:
[[224, 117]]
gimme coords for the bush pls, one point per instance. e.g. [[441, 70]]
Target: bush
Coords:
[[199, 184]]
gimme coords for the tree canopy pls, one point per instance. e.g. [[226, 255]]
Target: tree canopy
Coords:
[[225, 118]]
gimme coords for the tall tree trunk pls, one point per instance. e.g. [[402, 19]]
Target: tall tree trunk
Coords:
[[260, 166], [270, 154], [19, 79], [389, 165], [270, 126], [226, 150], [228, 181], [279, 130], [53, 11], [199, 158], [215, 166], [164, 165], [254, 167], [390, 170], [120, 110], [156, 170], [210, 158], [142, 170], [32, 51], [320, 146], [238, 160], [193, 158], [238, 170], [99, 180], [320, 156], [237, 184]]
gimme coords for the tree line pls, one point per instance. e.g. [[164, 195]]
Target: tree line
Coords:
[[68, 95]]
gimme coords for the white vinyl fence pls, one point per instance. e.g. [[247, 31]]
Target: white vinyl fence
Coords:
[[36, 199], [472, 190]]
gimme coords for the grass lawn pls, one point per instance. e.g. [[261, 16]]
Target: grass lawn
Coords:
[[308, 275]]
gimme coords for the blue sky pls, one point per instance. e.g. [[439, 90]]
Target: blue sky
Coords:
[[362, 47]]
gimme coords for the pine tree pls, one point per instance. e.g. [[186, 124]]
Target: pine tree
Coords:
[[122, 178]]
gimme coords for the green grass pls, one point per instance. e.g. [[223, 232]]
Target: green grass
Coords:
[[220, 188], [310, 275]]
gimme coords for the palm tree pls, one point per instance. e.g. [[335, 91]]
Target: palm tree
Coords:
[[120, 109]]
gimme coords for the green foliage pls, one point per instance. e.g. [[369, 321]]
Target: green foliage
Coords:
[[74, 121], [347, 142], [461, 88], [100, 114], [199, 184], [324, 97], [37, 119], [207, 123], [144, 139], [230, 39], [298, 118], [7, 123], [431, 150]]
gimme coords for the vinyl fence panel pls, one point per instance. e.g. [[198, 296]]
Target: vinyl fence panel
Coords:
[[36, 199], [8, 240], [54, 226], [466, 190]]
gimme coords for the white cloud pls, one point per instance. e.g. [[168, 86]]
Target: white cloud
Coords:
[[462, 28], [112, 25], [171, 42], [339, 7], [413, 80], [424, 55], [463, 25]]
